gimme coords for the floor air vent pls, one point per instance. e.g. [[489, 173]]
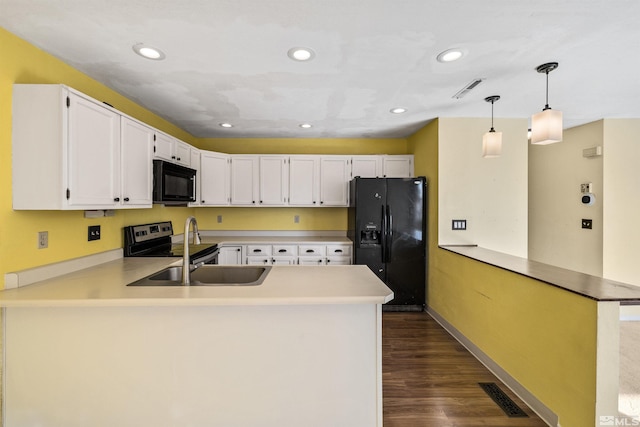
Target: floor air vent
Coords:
[[502, 400]]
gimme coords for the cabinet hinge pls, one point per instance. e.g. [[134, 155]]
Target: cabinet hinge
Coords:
[[68, 102], [68, 194]]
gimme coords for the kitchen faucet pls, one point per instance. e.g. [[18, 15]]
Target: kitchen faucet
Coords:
[[186, 271]]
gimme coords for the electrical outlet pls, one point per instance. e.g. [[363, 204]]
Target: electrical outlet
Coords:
[[587, 223], [43, 239], [219, 219], [94, 232], [459, 224], [296, 219]]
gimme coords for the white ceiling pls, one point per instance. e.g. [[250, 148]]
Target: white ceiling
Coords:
[[227, 59]]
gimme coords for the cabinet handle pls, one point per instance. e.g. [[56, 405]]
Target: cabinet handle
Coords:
[[238, 250], [282, 251], [321, 203], [173, 157], [260, 201], [203, 201], [257, 250], [310, 251], [319, 261], [338, 251], [126, 199], [314, 202], [328, 261], [117, 199], [253, 201]]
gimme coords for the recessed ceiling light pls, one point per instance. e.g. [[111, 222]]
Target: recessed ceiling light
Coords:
[[398, 110], [450, 55], [305, 126], [301, 54], [226, 125], [148, 52]]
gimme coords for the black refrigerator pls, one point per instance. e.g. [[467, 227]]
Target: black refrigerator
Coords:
[[388, 226]]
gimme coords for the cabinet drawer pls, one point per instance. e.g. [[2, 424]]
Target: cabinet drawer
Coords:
[[311, 260], [338, 260], [310, 250], [253, 250], [338, 250], [258, 260], [285, 250]]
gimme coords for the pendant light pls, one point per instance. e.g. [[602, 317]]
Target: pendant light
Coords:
[[492, 140], [546, 126]]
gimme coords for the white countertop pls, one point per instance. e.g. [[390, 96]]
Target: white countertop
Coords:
[[105, 285]]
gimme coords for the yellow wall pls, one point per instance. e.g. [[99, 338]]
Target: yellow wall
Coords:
[[24, 63], [542, 336], [304, 146]]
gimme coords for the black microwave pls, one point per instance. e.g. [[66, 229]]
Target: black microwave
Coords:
[[173, 184]]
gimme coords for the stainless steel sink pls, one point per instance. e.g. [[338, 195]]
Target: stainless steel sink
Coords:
[[208, 275]]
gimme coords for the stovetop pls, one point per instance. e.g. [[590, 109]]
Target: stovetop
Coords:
[[154, 240]]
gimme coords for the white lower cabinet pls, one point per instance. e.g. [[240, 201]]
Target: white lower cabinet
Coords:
[[230, 255], [312, 255], [259, 254], [285, 254]]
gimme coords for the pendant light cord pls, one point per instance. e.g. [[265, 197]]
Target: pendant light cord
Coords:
[[546, 105], [492, 129]]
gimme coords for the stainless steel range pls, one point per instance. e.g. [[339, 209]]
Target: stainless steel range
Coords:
[[154, 240]]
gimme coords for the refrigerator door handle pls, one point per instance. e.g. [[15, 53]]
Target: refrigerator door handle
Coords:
[[383, 252], [389, 233]]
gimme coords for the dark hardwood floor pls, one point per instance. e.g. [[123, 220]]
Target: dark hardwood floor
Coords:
[[431, 380]]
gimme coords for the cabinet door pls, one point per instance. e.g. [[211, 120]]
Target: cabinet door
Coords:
[[310, 260], [334, 181], [398, 166], [366, 166], [137, 173], [230, 255], [304, 180], [214, 179], [258, 260], [182, 153], [163, 147], [338, 260], [94, 161], [244, 180], [273, 180]]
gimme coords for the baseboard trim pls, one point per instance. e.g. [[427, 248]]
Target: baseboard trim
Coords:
[[546, 414]]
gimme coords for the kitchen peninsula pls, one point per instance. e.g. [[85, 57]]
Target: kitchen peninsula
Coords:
[[302, 348]]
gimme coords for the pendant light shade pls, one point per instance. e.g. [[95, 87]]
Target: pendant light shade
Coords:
[[546, 126], [492, 140]]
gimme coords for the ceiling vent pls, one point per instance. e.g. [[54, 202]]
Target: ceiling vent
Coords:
[[462, 92]]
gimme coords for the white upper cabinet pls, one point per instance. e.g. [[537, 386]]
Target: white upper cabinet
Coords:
[[273, 180], [137, 165], [171, 149], [93, 153], [214, 179], [67, 152], [398, 166], [182, 153], [366, 166], [318, 180], [334, 179], [304, 180], [244, 180]]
